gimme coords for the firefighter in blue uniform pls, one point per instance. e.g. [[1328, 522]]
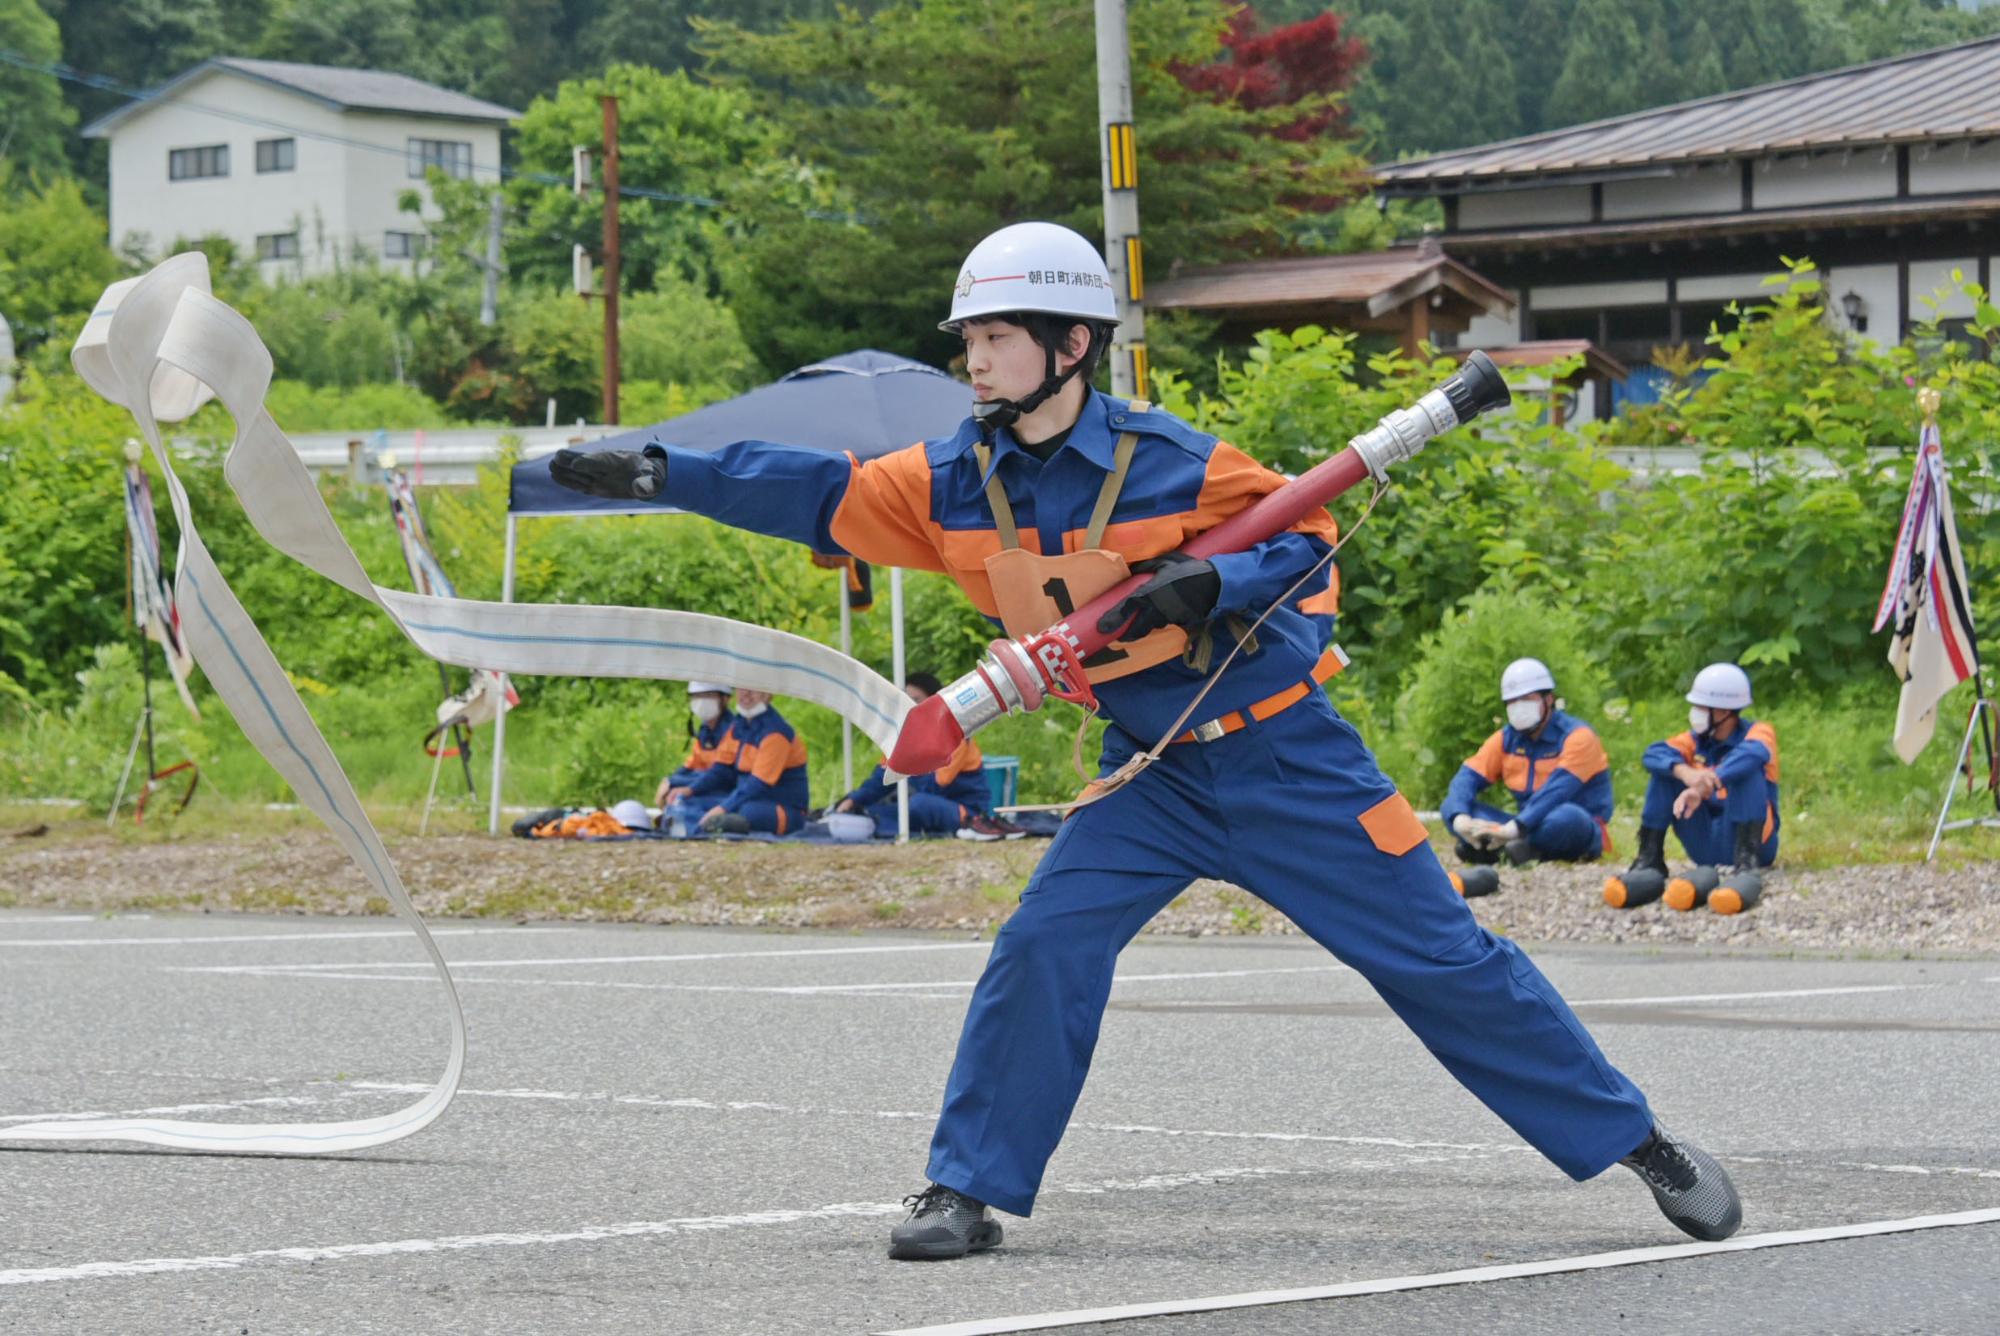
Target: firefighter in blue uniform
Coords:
[[1715, 785], [708, 702], [759, 783], [955, 797], [1043, 499], [1553, 764]]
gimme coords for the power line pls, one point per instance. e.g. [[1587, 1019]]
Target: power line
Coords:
[[103, 83]]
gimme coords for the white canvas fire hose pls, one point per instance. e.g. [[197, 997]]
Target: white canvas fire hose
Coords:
[[161, 346]]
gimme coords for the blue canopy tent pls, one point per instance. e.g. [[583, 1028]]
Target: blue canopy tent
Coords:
[[867, 403]]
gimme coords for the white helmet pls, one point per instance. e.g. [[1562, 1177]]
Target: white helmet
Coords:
[[1524, 677], [1720, 686], [707, 688], [1033, 267]]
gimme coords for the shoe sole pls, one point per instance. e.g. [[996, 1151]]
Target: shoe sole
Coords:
[[987, 1235]]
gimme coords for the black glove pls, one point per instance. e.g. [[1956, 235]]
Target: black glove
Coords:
[[1182, 592], [621, 475]]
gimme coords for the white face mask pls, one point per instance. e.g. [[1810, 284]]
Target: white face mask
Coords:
[[1698, 719], [1524, 714], [706, 708], [751, 711]]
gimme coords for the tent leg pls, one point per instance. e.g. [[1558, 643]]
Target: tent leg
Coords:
[[500, 718], [847, 648], [437, 764], [897, 670], [1951, 784]]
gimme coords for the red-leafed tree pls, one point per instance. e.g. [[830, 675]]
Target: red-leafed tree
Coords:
[[1308, 65]]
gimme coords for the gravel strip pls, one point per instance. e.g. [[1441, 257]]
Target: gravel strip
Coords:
[[943, 884]]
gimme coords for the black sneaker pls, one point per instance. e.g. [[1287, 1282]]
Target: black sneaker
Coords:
[[1692, 1190], [943, 1223], [1520, 852]]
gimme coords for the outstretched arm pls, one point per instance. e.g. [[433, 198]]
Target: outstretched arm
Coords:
[[878, 510]]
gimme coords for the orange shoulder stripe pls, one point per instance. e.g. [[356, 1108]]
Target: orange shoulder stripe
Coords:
[[1235, 482], [1583, 754], [1761, 731], [1487, 760], [885, 517]]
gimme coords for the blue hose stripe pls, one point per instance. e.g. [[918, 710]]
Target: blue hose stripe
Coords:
[[635, 642]]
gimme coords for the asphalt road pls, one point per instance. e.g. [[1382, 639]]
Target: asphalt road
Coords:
[[683, 1130]]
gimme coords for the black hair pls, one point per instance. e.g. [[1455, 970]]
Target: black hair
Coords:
[[1052, 331], [928, 684]]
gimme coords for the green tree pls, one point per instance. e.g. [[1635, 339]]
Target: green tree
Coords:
[[684, 148], [1416, 49], [1602, 67], [34, 120], [935, 149], [53, 260]]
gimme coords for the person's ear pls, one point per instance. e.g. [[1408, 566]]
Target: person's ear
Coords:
[[1078, 343]]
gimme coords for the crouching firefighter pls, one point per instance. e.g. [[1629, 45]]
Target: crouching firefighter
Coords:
[[1715, 785], [1553, 764], [1046, 497]]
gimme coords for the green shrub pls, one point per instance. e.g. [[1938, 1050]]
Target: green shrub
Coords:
[[1453, 701], [612, 755]]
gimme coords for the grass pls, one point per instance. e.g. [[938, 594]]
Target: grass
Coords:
[[1846, 798]]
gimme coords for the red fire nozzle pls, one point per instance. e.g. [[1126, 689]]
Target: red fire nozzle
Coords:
[[1014, 676]]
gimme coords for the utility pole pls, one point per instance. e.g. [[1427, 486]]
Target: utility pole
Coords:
[[1121, 201], [610, 259]]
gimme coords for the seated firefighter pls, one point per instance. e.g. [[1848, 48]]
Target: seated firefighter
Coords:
[[758, 781], [946, 801], [1717, 783], [1554, 765], [709, 703]]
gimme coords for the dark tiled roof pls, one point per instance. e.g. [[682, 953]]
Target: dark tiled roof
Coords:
[[356, 90], [1948, 93]]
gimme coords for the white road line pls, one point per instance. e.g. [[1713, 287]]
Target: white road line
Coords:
[[594, 960], [794, 990], [1124, 1129], [150, 1266], [1437, 1280], [1684, 998], [763, 1106], [256, 937], [48, 918]]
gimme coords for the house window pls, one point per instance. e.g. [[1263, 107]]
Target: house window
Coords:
[[278, 246], [193, 164], [402, 245], [277, 155], [453, 157]]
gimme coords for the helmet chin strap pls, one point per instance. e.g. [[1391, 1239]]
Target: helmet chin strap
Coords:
[[993, 414]]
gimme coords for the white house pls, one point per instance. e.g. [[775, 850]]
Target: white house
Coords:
[[299, 165], [1637, 231]]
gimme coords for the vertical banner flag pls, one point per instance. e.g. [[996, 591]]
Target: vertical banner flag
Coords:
[[153, 609], [1933, 647], [486, 697]]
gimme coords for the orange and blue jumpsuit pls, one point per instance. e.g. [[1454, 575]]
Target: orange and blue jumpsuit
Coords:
[[1275, 793], [706, 749], [1747, 764], [1561, 782], [940, 802], [763, 778]]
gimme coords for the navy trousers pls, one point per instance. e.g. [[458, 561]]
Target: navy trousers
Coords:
[[1568, 834], [1295, 810], [1708, 834]]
